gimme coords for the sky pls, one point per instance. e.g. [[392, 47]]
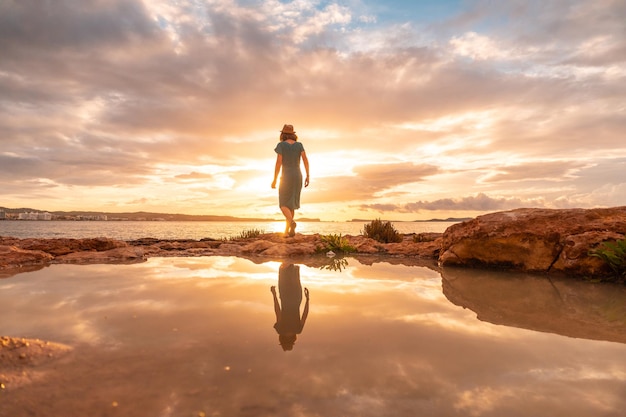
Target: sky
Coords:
[[407, 109]]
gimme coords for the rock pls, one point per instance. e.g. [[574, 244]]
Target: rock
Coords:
[[290, 250], [21, 358], [410, 247], [364, 244], [258, 246], [64, 246], [118, 255], [229, 249], [535, 240], [14, 257], [17, 352], [277, 246], [574, 258], [30, 252]]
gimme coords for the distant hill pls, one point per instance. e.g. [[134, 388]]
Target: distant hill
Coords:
[[144, 215], [20, 210], [449, 219]]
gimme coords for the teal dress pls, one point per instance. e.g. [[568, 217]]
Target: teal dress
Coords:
[[291, 176]]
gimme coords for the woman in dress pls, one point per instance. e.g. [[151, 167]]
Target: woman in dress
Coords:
[[289, 153], [289, 324]]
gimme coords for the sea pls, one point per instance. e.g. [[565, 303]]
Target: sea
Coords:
[[195, 230]]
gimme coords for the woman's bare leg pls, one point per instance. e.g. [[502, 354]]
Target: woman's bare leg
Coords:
[[290, 225], [288, 213]]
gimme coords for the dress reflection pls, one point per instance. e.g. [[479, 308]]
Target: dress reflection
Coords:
[[289, 324]]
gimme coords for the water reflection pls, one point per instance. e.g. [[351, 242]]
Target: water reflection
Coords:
[[336, 264], [289, 324], [548, 304], [192, 336]]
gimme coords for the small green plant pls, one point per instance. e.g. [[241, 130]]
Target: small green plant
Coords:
[[249, 234], [335, 243], [381, 231], [614, 254]]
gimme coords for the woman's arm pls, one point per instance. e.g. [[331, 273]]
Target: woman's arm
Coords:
[[276, 304], [306, 167], [279, 162], [305, 313]]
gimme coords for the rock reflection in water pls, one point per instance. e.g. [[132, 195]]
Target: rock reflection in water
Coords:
[[193, 336], [547, 304]]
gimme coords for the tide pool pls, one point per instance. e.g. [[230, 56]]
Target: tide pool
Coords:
[[197, 337]]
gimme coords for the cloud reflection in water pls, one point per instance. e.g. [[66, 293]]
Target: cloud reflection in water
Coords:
[[181, 336]]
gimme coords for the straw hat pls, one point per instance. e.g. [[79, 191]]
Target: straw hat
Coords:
[[288, 129]]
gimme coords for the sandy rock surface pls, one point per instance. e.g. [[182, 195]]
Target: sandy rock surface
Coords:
[[21, 360]]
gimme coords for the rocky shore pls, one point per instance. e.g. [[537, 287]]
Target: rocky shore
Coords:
[[531, 240]]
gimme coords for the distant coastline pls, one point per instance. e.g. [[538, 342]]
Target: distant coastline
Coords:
[[13, 213]]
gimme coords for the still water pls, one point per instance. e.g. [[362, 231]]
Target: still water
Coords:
[[198, 337], [130, 230]]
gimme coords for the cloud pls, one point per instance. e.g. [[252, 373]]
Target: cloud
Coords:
[[194, 176], [536, 170], [67, 24], [368, 182], [494, 98], [478, 203]]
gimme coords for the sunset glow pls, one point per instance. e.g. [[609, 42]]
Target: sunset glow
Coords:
[[407, 109]]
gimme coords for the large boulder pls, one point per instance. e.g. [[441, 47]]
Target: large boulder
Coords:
[[535, 240]]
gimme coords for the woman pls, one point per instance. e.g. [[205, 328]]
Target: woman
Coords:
[[289, 152], [289, 324]]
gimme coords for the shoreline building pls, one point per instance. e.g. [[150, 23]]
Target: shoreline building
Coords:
[[34, 216]]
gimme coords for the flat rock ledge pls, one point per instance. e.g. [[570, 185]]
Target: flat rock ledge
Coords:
[[20, 255], [528, 239]]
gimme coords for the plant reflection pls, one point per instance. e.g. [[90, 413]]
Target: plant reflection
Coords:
[[336, 264], [289, 324]]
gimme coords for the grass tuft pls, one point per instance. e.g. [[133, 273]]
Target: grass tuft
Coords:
[[381, 231], [249, 234]]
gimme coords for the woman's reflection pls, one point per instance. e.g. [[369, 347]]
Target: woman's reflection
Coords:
[[288, 321]]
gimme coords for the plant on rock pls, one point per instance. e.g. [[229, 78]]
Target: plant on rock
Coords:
[[614, 254], [335, 243], [249, 234]]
